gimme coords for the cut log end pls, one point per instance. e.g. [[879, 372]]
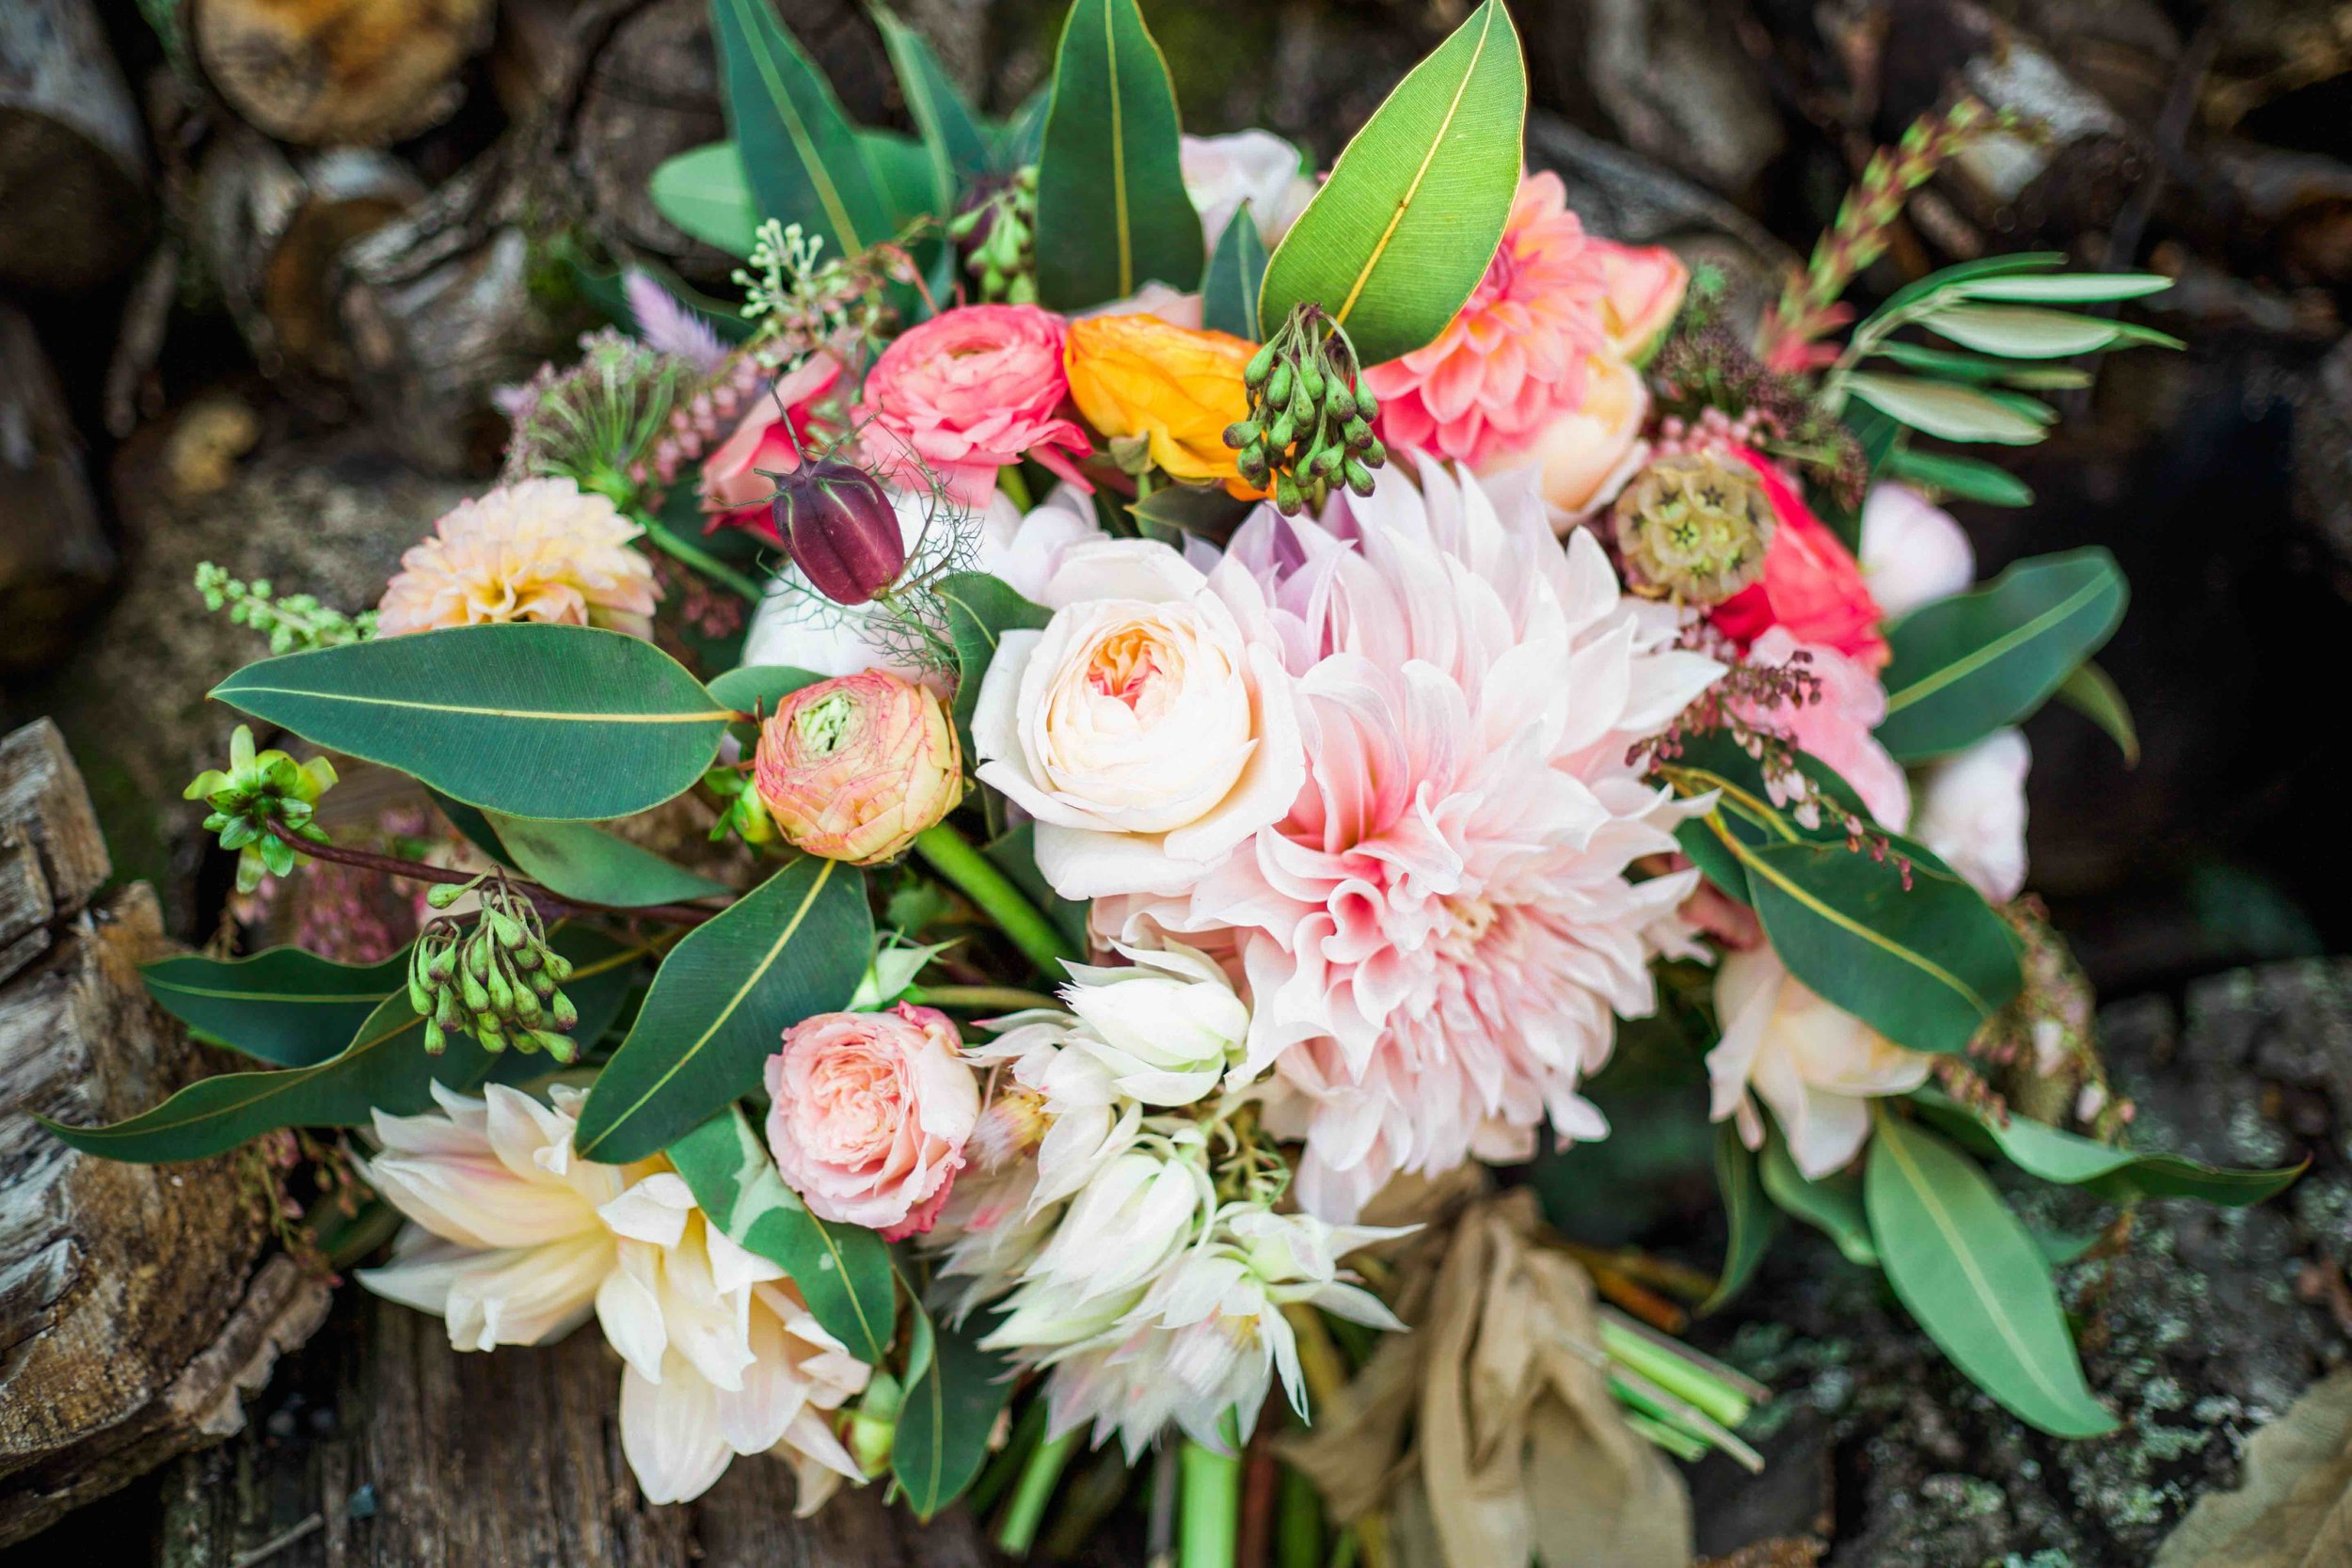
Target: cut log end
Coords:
[[340, 73]]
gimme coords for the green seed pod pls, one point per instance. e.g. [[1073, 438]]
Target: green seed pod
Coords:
[[1285, 494], [563, 1014], [1241, 433], [527, 1009], [1260, 365], [447, 1013], [475, 995], [559, 967], [475, 956], [1311, 381], [1279, 433], [490, 1033], [1326, 459], [445, 894], [1278, 388], [504, 928], [562, 1047], [1375, 454], [441, 967], [1356, 432], [1367, 406], [527, 958], [542, 984], [419, 994], [435, 1041], [1359, 478]]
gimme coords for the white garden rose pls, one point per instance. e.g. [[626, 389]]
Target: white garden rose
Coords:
[[1145, 733], [1256, 166], [1913, 551], [1816, 1066], [1971, 809]]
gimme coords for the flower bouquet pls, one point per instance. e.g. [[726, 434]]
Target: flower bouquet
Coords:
[[1258, 689]]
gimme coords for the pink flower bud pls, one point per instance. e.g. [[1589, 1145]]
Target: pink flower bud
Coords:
[[841, 530], [852, 768]]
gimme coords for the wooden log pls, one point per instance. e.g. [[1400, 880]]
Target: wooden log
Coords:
[[136, 1302], [55, 560], [340, 73], [72, 153], [408, 1454]]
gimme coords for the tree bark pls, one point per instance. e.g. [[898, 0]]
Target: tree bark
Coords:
[[135, 1302], [55, 560], [72, 161], [340, 73]]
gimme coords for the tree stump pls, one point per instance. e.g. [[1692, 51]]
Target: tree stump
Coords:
[[72, 152], [55, 560], [136, 1304], [340, 73]]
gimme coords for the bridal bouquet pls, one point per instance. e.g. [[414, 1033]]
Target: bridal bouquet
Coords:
[[1224, 693]]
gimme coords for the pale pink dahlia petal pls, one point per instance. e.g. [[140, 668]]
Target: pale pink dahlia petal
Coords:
[[540, 549]]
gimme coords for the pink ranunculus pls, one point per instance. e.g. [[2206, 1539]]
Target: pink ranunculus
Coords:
[[1645, 284], [968, 392], [1812, 583], [1837, 728], [870, 1115], [734, 492]]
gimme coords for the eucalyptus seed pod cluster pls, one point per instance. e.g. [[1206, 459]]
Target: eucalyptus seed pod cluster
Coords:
[[1309, 429], [496, 979], [997, 234], [1693, 526]]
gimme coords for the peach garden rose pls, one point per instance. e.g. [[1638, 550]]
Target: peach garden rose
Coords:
[[870, 1116]]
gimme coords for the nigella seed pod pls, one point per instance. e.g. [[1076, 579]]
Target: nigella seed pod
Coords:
[[843, 533]]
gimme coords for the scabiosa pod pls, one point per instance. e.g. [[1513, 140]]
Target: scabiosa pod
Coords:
[[853, 769], [1694, 526]]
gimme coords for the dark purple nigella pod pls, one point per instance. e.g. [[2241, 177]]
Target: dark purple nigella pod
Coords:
[[843, 533]]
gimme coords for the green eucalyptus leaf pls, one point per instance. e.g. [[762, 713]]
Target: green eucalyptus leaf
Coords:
[[1968, 665], [843, 1271], [1966, 478], [1409, 219], [758, 687], [1017, 143], [1974, 1278], [2092, 692], [547, 721], [582, 862], [798, 150], [905, 175], [2053, 1155], [284, 1006], [1229, 294], [957, 144], [706, 193], [1979, 371], [1832, 1204], [954, 1392], [791, 947], [1954, 413], [1112, 212], [1749, 1218], [980, 610], [1205, 510]]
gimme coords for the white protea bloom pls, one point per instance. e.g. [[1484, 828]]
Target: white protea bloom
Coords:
[[515, 1240], [1166, 1025], [1209, 1335], [1061, 1102]]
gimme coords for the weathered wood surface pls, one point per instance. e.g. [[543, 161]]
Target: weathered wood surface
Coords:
[[135, 1302]]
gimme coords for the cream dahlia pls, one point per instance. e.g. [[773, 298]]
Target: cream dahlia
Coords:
[[1515, 356], [539, 549], [1438, 933]]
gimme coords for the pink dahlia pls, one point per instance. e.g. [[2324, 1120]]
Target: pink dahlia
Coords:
[[538, 549], [1438, 934], [969, 391], [1513, 359]]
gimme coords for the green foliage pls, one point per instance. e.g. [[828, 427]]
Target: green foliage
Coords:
[[557, 723], [1750, 1217], [1112, 212], [1229, 294], [289, 621], [1967, 479], [706, 193], [953, 1392], [980, 610], [262, 806], [758, 687], [1965, 666], [793, 947], [2092, 692], [1975, 1278], [953, 138], [1408, 220], [2039, 1149], [283, 1005], [843, 1271], [384, 1068], [586, 864], [1832, 1204], [800, 152]]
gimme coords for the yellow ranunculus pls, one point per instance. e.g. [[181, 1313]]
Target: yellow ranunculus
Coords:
[[1176, 388]]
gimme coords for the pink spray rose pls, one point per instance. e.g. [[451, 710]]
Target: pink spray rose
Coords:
[[870, 1116], [969, 391], [1812, 584], [734, 492]]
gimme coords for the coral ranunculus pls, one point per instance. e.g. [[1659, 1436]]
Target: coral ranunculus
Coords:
[[968, 392], [1515, 358], [1139, 376], [1812, 583], [538, 549], [870, 1115], [853, 768]]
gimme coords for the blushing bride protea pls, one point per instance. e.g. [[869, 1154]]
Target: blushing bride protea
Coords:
[[1438, 933], [515, 1240]]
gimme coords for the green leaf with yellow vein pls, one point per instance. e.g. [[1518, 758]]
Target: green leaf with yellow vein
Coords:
[[1112, 212], [952, 136], [843, 1271], [577, 859], [1973, 1276], [793, 947], [284, 1006], [1965, 666], [547, 721], [384, 1068], [954, 1392], [1229, 294], [798, 150], [2121, 1174], [1409, 219]]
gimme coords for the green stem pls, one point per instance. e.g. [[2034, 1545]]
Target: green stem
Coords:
[[1036, 1489], [1009, 999], [977, 877], [1208, 1526], [1674, 1375], [695, 556], [1016, 489]]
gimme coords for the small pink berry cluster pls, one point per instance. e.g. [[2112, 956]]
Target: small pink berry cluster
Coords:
[[709, 415], [1712, 431]]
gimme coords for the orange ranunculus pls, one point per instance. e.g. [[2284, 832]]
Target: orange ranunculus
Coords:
[[1176, 388]]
